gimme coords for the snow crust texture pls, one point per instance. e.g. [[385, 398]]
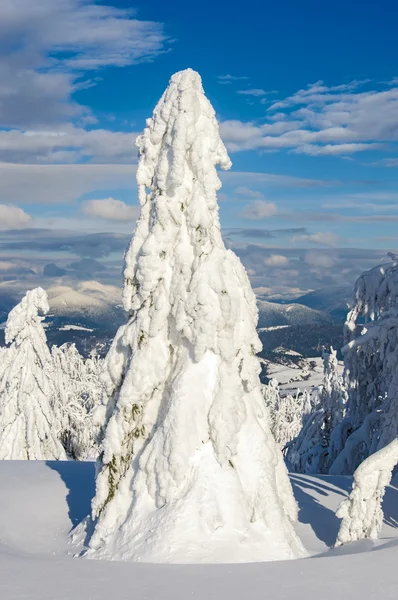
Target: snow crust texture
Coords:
[[189, 470], [28, 427]]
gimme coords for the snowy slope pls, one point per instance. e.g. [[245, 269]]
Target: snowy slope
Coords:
[[334, 300], [39, 502], [273, 314]]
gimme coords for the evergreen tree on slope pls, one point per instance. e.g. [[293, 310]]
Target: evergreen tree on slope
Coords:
[[28, 426], [189, 470], [316, 446], [371, 369], [78, 393]]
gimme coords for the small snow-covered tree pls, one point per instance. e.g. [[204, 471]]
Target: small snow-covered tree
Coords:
[[362, 512], [189, 470], [371, 369], [316, 447], [78, 394], [28, 426], [287, 413]]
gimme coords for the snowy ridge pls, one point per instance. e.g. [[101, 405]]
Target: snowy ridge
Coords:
[[190, 471]]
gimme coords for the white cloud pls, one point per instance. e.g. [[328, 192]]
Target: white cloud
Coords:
[[319, 260], [390, 162], [335, 149], [252, 92], [276, 260], [67, 144], [60, 184], [110, 209], [13, 217], [6, 265], [337, 120], [225, 79], [259, 209], [322, 238], [57, 41], [242, 190]]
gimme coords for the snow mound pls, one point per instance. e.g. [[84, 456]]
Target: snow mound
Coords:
[[41, 501]]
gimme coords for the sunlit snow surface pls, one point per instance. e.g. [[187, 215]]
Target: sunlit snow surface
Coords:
[[40, 502]]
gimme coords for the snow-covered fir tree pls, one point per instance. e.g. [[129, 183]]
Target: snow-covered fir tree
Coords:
[[371, 369], [287, 413], [361, 512], [78, 393], [28, 425], [316, 446], [189, 470]]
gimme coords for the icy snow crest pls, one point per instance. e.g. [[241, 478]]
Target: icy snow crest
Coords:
[[190, 471], [25, 315]]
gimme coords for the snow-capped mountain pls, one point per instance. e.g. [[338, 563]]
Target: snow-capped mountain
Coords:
[[333, 300]]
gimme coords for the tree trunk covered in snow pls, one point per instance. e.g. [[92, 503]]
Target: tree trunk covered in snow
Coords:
[[361, 512], [189, 469], [28, 426]]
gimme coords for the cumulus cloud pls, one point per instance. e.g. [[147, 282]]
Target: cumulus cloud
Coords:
[[259, 209], [110, 209], [319, 260], [6, 265], [67, 144], [57, 41], [322, 238], [13, 217], [276, 260], [322, 120]]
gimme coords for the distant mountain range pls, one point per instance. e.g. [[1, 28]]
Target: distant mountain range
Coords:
[[90, 316]]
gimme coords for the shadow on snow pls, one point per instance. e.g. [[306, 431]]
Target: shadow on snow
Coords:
[[79, 479]]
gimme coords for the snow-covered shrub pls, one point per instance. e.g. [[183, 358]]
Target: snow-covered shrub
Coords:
[[28, 426], [78, 393], [287, 413], [362, 512], [189, 470], [316, 447], [371, 369]]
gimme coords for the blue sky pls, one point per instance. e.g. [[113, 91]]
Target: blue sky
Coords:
[[307, 98]]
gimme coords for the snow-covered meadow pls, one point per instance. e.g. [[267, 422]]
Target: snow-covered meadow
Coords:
[[40, 502]]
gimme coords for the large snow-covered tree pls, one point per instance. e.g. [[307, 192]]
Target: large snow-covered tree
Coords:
[[28, 425], [361, 512], [189, 470], [371, 369]]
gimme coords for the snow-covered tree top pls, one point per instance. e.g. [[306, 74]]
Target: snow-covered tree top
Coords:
[[179, 151], [183, 123], [376, 291], [26, 313]]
